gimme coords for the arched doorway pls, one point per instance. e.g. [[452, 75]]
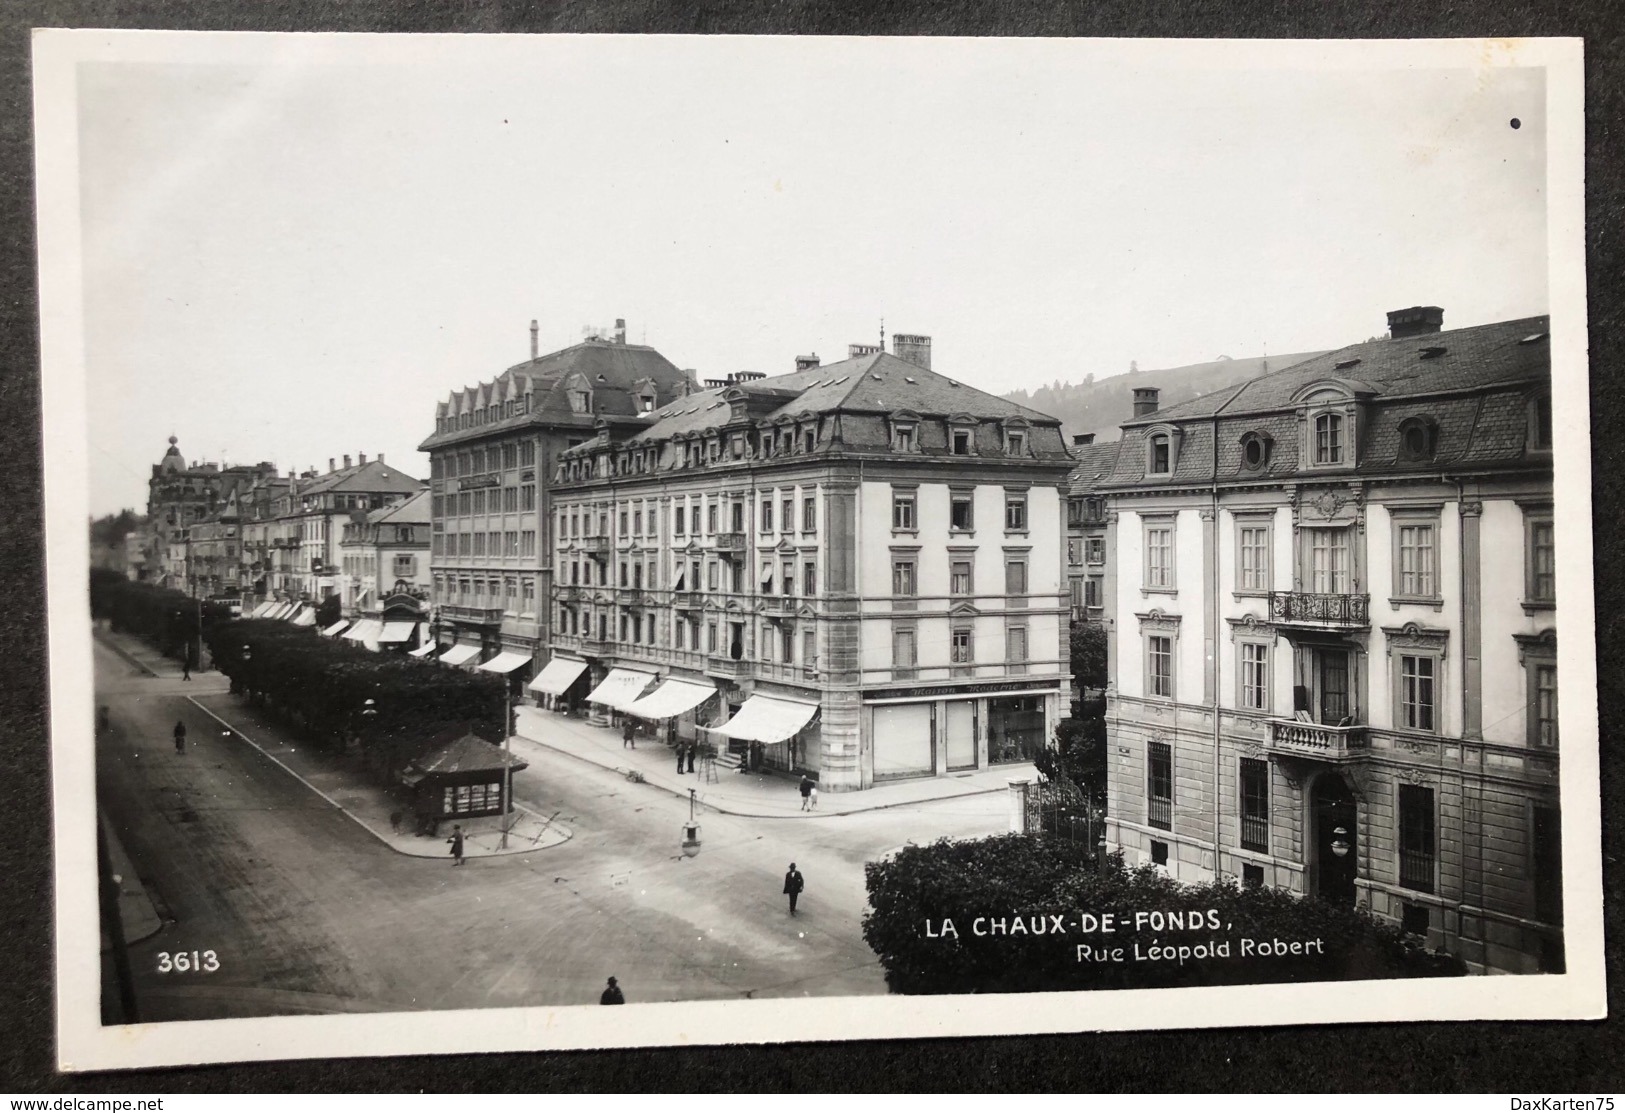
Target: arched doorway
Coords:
[[1334, 819]]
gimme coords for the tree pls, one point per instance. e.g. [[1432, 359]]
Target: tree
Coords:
[[1088, 655], [329, 612]]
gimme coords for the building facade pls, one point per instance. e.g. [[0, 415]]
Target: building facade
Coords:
[[1087, 555], [384, 565], [179, 495], [857, 567], [1334, 644], [490, 460]]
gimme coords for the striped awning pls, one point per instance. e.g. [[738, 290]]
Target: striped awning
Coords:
[[768, 719], [556, 678], [620, 688], [336, 628], [506, 661], [459, 655]]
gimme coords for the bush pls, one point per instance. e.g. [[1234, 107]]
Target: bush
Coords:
[[1014, 878]]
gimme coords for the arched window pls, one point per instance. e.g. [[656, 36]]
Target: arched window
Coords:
[[1161, 461], [1329, 439]]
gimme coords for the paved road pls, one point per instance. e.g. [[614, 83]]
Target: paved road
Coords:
[[309, 913]]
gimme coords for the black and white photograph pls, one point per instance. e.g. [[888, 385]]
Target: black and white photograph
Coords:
[[811, 539]]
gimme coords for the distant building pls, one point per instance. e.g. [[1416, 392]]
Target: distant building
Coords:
[[1087, 555], [384, 570], [315, 509], [178, 496], [1334, 649], [856, 566]]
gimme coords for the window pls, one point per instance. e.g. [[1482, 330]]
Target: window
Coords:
[[1015, 443], [809, 515], [903, 438], [902, 510], [1252, 875], [1255, 676], [767, 577], [1159, 853], [787, 514], [711, 575], [1015, 512], [1161, 462], [903, 648], [694, 518], [1540, 423], [787, 578], [1415, 560], [809, 648], [1159, 556], [1255, 805], [1416, 839], [1329, 563], [1160, 788], [1540, 561], [677, 521], [767, 516], [1094, 592], [961, 442], [1253, 556], [809, 579], [960, 646], [1159, 666], [903, 581], [1414, 919], [1074, 550], [711, 518], [959, 577], [1417, 438], [1544, 711], [1416, 692], [1015, 648], [787, 643], [961, 511], [1095, 550], [1255, 451], [1015, 577], [1329, 439]]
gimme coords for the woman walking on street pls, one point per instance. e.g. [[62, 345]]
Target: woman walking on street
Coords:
[[180, 737], [806, 792], [456, 841]]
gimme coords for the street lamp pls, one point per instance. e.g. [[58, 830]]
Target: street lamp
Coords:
[[247, 656], [507, 759], [691, 829], [1340, 842]]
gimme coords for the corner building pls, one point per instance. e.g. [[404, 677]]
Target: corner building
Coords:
[[491, 458], [857, 566], [1333, 636]]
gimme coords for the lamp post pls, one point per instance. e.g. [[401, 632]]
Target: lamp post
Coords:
[[248, 655], [507, 759], [691, 829], [369, 715]]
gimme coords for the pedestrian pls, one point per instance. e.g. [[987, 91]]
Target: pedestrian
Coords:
[[628, 734], [806, 792], [793, 884], [612, 994], [395, 818], [456, 841], [180, 737], [691, 747], [812, 797], [186, 667], [680, 746]]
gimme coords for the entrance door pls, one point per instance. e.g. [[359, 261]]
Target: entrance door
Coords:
[[1336, 826], [1334, 685], [961, 734]]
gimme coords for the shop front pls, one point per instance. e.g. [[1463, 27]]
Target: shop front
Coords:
[[562, 684], [781, 730], [673, 705], [930, 731]]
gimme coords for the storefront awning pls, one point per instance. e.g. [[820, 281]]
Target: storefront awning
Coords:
[[620, 688], [423, 650], [263, 609], [278, 610], [768, 719], [397, 632], [556, 678], [506, 661], [333, 630], [459, 655], [671, 699], [367, 630], [305, 617]]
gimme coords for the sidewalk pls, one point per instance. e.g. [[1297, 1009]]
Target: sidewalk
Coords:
[[150, 661], [137, 914], [371, 805], [755, 795]]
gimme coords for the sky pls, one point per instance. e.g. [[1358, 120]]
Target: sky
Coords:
[[295, 258]]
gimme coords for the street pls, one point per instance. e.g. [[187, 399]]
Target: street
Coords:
[[308, 913]]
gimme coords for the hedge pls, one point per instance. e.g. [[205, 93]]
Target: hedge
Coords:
[[166, 619], [985, 887]]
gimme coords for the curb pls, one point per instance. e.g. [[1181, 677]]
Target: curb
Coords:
[[682, 794], [357, 820], [129, 658]]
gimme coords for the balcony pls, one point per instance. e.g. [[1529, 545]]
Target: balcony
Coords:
[[778, 604], [479, 616], [688, 600], [727, 667], [597, 647], [569, 592], [1320, 610], [596, 545], [1294, 738], [730, 542]]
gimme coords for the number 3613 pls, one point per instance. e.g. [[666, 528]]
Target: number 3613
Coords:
[[180, 962]]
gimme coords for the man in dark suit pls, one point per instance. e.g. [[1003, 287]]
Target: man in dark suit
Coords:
[[793, 884]]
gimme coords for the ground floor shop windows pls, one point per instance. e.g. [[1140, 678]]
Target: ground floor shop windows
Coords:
[[1015, 729], [477, 799], [959, 733], [903, 742]]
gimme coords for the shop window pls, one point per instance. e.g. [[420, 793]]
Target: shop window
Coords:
[[1416, 838]]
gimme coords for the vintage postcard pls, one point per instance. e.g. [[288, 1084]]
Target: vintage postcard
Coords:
[[811, 539]]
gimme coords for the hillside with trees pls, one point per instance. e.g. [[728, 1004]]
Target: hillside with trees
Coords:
[[1098, 406]]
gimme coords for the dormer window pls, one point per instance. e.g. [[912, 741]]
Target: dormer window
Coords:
[[1161, 455], [1418, 438], [903, 438], [1255, 451], [961, 442], [581, 401], [1329, 438], [1540, 423], [809, 440]]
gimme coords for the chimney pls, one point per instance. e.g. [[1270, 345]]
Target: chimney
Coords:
[[854, 351], [346, 462], [715, 384], [380, 457], [749, 376], [362, 459], [620, 330], [1081, 439], [807, 363], [1418, 320], [332, 464], [535, 346], [1145, 400], [912, 347]]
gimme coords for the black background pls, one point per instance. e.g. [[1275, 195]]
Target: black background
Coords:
[[1515, 1058]]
